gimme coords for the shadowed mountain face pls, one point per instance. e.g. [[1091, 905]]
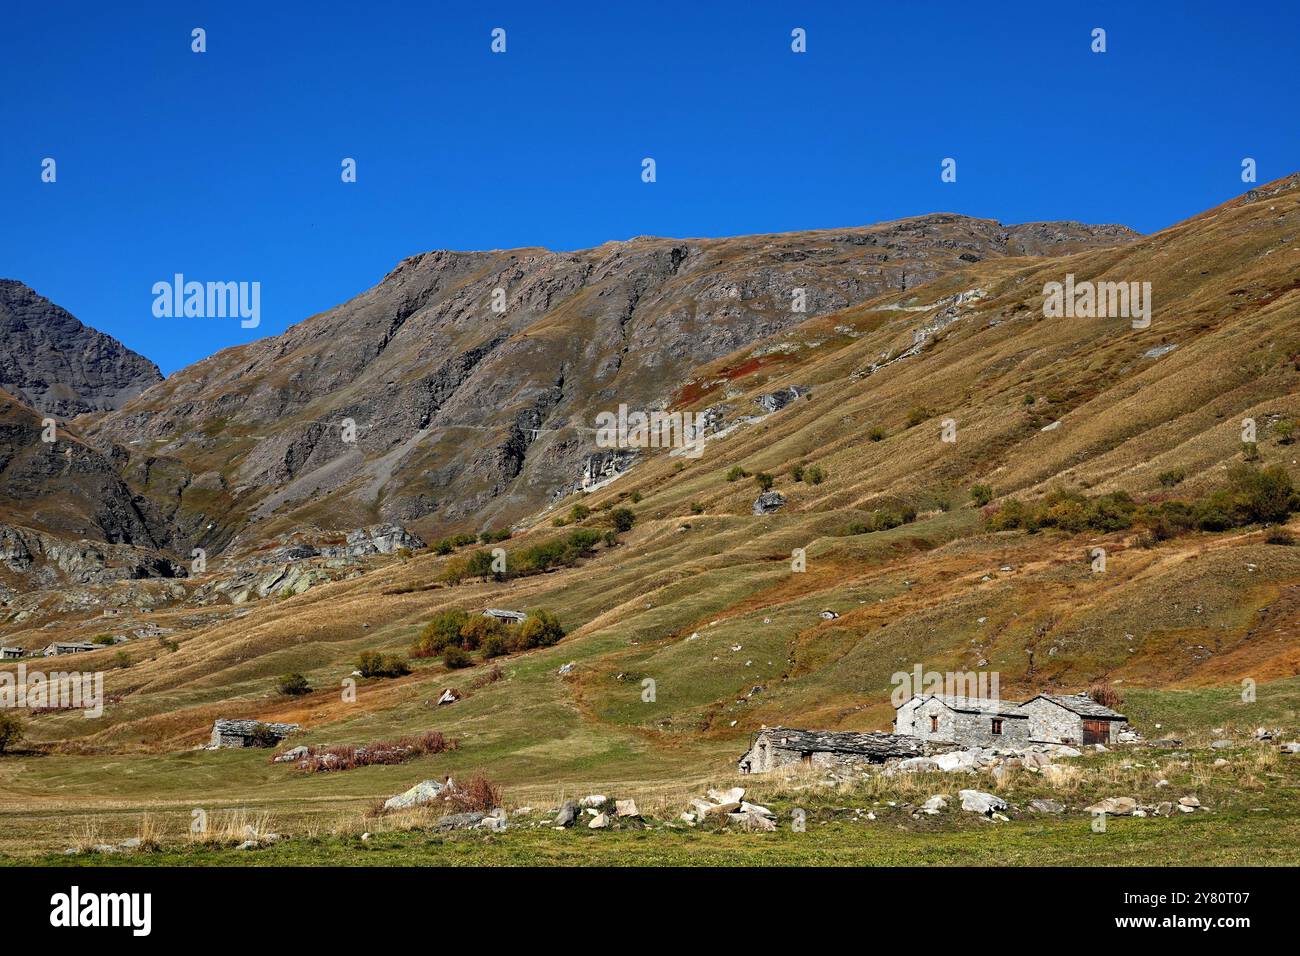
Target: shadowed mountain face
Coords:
[[60, 367], [468, 415]]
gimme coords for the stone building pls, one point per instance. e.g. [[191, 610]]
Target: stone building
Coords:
[[248, 733], [11, 653], [775, 747], [506, 617], [68, 647], [968, 721], [1073, 719]]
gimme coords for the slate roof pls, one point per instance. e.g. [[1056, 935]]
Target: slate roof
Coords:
[[977, 705], [833, 741], [1083, 705]]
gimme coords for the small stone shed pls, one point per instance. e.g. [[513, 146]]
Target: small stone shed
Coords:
[[968, 721], [248, 733], [59, 648], [775, 747], [506, 617], [1072, 719]]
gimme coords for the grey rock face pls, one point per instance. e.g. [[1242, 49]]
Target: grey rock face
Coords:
[[59, 366], [768, 502]]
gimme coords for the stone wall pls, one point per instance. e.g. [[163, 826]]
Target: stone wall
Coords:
[[958, 727]]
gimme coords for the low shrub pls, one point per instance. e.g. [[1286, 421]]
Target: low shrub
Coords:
[[375, 664], [292, 685]]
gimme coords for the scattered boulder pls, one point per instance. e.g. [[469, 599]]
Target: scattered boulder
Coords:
[[426, 791], [599, 822], [1114, 806], [768, 502], [935, 804], [626, 808], [734, 795], [292, 754], [956, 760], [567, 814], [496, 821], [458, 821], [1190, 802], [917, 765], [1221, 744], [976, 801], [448, 696], [593, 800], [1046, 806], [753, 822], [1291, 747]]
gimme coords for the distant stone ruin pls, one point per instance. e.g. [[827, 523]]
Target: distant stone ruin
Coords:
[[248, 733]]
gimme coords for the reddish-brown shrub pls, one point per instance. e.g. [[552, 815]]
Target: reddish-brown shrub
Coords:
[[475, 794], [1106, 694]]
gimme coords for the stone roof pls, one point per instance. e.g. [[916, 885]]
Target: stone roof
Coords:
[[1083, 705], [833, 741], [978, 705]]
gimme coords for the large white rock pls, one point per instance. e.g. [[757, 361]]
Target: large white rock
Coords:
[[626, 808], [935, 804], [917, 765], [956, 760], [425, 791], [599, 822], [734, 795], [1115, 806], [976, 801], [593, 800]]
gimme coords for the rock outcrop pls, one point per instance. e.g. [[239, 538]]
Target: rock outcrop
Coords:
[[60, 367]]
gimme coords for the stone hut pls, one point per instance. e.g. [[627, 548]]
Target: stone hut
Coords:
[[1072, 719], [505, 617], [968, 721], [776, 747], [248, 733], [11, 653], [68, 647]]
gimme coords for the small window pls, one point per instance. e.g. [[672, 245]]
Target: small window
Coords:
[[997, 725], [934, 725]]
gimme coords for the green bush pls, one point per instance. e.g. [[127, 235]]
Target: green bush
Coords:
[[440, 633], [1172, 477], [479, 564], [579, 512], [375, 664], [455, 658], [816, 474], [540, 629], [796, 473], [764, 481], [292, 685], [875, 433], [735, 473], [981, 495], [623, 519]]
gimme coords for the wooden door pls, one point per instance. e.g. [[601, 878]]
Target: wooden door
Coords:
[[1096, 731]]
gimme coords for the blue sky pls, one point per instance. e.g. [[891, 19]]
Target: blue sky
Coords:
[[226, 165]]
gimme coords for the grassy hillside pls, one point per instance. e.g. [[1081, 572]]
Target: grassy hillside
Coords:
[[700, 597]]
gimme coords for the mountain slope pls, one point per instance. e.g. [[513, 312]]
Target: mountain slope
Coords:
[[468, 417], [59, 366]]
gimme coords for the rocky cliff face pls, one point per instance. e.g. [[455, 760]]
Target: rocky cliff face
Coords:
[[434, 398], [57, 365]]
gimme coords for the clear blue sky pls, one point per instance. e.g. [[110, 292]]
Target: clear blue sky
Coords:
[[225, 165]]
